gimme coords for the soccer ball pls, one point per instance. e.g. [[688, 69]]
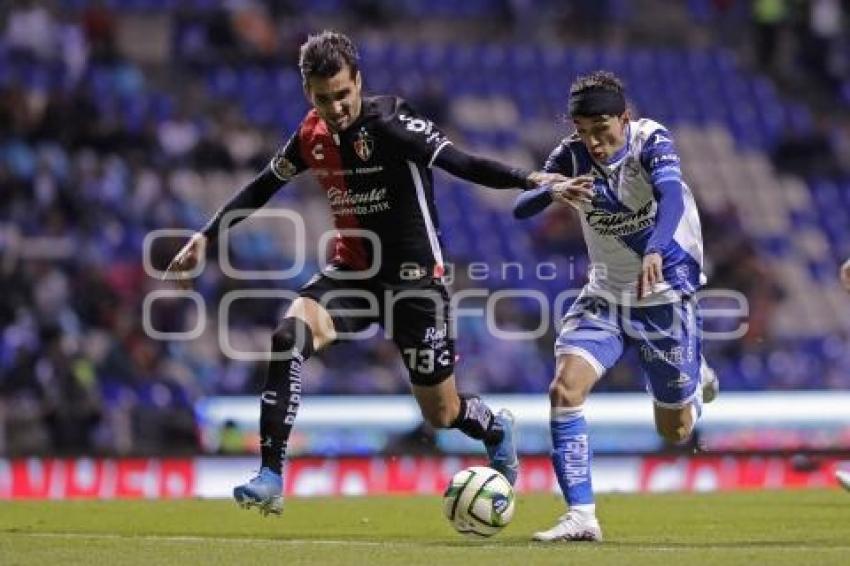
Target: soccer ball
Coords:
[[479, 501]]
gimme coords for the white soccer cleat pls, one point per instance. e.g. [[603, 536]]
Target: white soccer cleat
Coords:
[[709, 382], [843, 478], [572, 527]]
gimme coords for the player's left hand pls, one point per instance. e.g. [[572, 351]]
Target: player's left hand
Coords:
[[845, 275], [650, 274]]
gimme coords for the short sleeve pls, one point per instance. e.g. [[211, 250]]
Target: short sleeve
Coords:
[[417, 137], [287, 162]]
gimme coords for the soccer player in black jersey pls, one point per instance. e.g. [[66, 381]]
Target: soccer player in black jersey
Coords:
[[373, 157]]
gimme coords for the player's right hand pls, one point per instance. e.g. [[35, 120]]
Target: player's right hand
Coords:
[[186, 260], [845, 275], [574, 191], [540, 178]]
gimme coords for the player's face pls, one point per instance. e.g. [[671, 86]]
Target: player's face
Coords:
[[336, 99], [602, 135]]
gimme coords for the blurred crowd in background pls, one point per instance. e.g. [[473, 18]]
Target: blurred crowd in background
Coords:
[[119, 118]]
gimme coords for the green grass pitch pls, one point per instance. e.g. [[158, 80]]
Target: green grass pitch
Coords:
[[776, 528]]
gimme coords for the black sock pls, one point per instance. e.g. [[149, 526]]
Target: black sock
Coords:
[[292, 344], [477, 421]]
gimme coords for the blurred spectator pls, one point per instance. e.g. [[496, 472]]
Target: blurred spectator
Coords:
[[100, 26], [823, 51], [769, 18], [430, 100], [256, 31], [230, 439], [809, 153], [735, 264], [30, 30], [178, 136]]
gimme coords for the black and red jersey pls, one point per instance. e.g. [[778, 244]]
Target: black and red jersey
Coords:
[[377, 177]]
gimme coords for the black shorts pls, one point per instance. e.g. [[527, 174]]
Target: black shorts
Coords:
[[415, 315]]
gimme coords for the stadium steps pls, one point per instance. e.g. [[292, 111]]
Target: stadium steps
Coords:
[[720, 173]]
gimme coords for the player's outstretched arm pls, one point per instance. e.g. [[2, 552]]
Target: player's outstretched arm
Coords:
[[532, 202], [251, 197], [573, 191], [489, 173], [845, 275]]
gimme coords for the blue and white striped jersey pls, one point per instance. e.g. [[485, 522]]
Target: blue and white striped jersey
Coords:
[[641, 204]]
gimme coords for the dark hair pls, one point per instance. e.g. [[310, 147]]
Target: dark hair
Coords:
[[324, 55], [597, 80], [598, 94]]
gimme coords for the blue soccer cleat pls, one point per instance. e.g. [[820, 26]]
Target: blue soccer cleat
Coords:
[[264, 491], [503, 456]]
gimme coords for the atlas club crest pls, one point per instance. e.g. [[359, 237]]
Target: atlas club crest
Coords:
[[364, 145]]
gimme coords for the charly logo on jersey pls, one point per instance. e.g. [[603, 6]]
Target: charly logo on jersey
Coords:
[[364, 145], [610, 223]]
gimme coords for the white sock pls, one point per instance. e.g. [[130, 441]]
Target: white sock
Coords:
[[586, 511], [565, 414]]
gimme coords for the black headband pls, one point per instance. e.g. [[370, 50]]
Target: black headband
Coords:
[[597, 102]]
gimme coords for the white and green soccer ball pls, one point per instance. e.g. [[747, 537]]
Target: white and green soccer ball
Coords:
[[479, 502]]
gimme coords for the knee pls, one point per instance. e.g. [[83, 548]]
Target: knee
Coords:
[[283, 337], [292, 333], [675, 433], [563, 394]]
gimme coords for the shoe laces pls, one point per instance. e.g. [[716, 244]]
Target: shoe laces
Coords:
[[573, 519], [258, 475]]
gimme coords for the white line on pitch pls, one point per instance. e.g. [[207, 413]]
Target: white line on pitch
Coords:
[[649, 547]]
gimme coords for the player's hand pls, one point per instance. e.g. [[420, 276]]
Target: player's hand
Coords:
[[574, 190], [845, 275], [186, 260], [539, 178], [650, 274]]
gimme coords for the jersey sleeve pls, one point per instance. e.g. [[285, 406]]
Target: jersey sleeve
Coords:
[[661, 162], [417, 137], [287, 162], [560, 161], [284, 165]]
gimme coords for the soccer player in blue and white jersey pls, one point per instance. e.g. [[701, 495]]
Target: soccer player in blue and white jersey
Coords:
[[643, 235]]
